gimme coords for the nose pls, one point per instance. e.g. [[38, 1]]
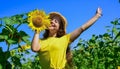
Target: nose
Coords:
[[52, 21]]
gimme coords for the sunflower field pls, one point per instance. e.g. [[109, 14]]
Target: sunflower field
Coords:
[[99, 52]]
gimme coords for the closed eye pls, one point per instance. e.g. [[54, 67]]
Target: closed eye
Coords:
[[56, 21]]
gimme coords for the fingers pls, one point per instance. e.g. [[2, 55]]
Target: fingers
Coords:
[[37, 31], [99, 11]]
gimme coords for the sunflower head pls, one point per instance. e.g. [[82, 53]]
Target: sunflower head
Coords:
[[38, 20]]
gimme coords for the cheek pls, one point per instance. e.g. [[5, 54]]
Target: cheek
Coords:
[[58, 26]]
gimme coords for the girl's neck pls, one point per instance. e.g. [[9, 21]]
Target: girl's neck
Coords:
[[52, 34]]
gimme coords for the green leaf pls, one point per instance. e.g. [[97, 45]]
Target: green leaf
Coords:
[[11, 41], [1, 50], [115, 22], [115, 31], [106, 35], [22, 33], [7, 20], [25, 39], [16, 60], [93, 37], [16, 19], [7, 54], [1, 66], [4, 37], [19, 18], [21, 36], [108, 30], [1, 55]]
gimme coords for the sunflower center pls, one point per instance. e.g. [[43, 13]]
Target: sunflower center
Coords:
[[37, 21]]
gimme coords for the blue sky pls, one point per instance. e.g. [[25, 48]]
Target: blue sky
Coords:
[[77, 12]]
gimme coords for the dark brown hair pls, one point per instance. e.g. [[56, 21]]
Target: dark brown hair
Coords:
[[61, 32]]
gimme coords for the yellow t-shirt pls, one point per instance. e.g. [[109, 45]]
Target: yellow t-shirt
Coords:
[[53, 52]]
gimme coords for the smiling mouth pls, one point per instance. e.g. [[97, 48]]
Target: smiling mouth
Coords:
[[52, 25]]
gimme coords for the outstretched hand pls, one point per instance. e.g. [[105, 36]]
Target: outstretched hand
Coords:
[[99, 11]]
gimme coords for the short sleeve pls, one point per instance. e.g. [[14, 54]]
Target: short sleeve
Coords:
[[67, 37]]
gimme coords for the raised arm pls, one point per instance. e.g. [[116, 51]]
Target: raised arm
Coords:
[[90, 22], [35, 46]]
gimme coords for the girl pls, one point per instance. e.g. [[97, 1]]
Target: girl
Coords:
[[54, 49]]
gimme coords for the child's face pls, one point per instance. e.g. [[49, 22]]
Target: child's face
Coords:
[[55, 23]]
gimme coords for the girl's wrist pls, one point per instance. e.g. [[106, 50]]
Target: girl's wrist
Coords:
[[98, 14]]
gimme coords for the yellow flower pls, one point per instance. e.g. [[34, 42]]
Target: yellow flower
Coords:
[[12, 53], [38, 20], [25, 47]]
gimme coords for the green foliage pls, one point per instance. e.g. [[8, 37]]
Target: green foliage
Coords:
[[32, 64], [15, 58], [10, 35], [99, 52]]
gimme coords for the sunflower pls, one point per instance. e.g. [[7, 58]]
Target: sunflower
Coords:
[[25, 47], [38, 20]]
